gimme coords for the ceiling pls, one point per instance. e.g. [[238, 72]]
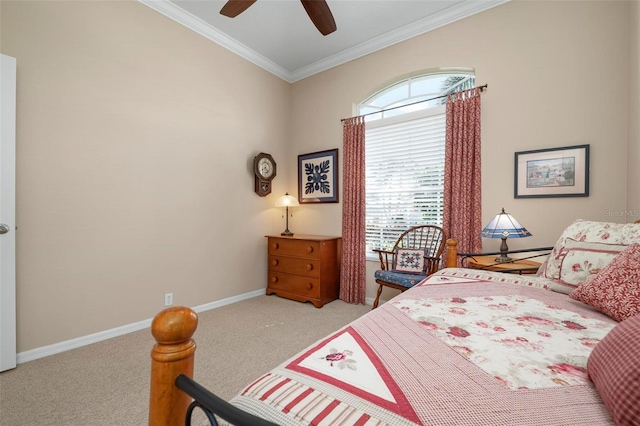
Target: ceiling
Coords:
[[278, 36]]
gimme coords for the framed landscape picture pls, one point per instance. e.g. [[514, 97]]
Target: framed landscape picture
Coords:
[[553, 172], [318, 177]]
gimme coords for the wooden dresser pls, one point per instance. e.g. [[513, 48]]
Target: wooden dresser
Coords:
[[305, 268]]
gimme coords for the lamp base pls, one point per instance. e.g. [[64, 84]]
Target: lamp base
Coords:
[[286, 232], [503, 258]]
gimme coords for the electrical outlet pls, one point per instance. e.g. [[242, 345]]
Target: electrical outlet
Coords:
[[168, 299]]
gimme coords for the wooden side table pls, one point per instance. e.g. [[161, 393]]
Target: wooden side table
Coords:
[[518, 266], [305, 268]]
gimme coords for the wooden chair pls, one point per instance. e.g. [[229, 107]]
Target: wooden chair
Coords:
[[429, 238]]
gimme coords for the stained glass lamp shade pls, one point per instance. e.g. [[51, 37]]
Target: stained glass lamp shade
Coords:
[[504, 226]]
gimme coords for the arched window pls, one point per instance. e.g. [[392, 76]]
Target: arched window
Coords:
[[405, 137]]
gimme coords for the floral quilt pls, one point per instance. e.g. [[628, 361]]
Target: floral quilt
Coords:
[[457, 349], [522, 342]]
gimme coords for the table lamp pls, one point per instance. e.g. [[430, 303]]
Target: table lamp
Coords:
[[287, 201], [504, 226]]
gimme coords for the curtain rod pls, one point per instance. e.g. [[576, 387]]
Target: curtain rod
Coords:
[[414, 103]]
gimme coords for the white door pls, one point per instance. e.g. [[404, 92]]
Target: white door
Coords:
[[7, 213]]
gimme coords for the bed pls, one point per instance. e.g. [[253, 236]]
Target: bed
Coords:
[[469, 347]]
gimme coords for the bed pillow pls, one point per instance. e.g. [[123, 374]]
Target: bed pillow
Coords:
[[614, 368], [615, 290], [583, 259], [584, 248], [542, 268], [410, 260]]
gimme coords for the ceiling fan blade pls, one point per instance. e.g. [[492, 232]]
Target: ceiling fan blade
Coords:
[[233, 8], [320, 14]]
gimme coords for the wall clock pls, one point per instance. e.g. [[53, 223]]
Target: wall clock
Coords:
[[264, 168]]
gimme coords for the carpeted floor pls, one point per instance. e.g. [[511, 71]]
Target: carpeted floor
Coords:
[[107, 383]]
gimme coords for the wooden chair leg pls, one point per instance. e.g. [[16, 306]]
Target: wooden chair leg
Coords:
[[375, 302]]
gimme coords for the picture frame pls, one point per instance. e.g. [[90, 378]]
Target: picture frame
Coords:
[[552, 172], [318, 177]]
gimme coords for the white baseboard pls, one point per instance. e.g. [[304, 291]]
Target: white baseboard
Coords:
[[57, 348], [229, 300]]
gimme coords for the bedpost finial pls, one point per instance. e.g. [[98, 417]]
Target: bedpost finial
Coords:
[[174, 325], [451, 260], [171, 356]]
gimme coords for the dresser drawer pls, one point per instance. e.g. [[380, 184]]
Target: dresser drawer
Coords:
[[303, 286], [299, 248], [295, 265]]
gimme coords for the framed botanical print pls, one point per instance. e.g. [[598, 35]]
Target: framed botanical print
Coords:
[[318, 177]]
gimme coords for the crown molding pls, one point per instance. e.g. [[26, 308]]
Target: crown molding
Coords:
[[196, 24], [440, 19], [445, 17]]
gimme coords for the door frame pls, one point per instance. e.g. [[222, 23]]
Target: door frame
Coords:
[[8, 212]]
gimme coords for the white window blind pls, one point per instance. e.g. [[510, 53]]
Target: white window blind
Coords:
[[404, 175]]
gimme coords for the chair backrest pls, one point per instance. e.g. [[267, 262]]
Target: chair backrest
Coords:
[[431, 238]]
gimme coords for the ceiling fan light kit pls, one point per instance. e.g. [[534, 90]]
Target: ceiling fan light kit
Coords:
[[318, 11]]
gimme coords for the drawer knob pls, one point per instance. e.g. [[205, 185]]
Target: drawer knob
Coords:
[[310, 249], [275, 246], [309, 286], [275, 262], [310, 267], [274, 279]]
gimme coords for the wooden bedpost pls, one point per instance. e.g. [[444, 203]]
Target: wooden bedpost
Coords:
[[452, 253], [172, 355]]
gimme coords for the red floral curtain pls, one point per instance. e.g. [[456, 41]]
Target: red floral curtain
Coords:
[[353, 282], [462, 218]]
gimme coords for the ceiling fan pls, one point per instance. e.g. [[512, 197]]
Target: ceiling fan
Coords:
[[318, 11]]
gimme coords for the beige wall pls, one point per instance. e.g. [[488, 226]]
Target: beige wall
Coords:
[[134, 151], [557, 75], [135, 140], [633, 186]]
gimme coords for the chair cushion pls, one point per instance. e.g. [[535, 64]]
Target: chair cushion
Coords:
[[409, 260], [614, 368], [615, 291], [399, 278]]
